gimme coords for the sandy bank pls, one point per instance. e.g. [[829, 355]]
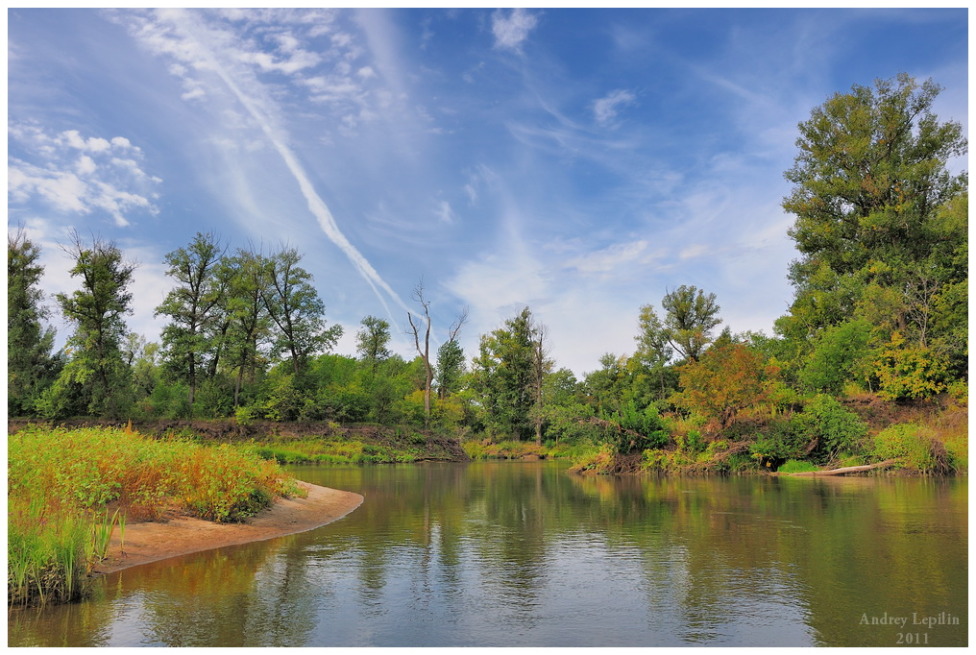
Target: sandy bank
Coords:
[[152, 541]]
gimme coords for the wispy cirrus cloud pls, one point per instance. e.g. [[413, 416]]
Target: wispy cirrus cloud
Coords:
[[209, 48]]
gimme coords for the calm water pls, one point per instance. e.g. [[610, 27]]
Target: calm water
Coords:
[[524, 554]]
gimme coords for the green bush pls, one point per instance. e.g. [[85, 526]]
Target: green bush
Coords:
[[914, 445], [632, 429], [839, 429], [797, 466]]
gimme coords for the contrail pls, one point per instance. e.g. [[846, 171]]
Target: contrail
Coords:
[[316, 205]]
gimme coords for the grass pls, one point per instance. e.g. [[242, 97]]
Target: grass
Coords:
[[509, 449], [331, 451], [69, 490]]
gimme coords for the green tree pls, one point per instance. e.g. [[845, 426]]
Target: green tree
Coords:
[[870, 182], [450, 367], [295, 307], [247, 325], [654, 349], [841, 353], [97, 311], [192, 307], [506, 376], [372, 341], [690, 316], [30, 365]]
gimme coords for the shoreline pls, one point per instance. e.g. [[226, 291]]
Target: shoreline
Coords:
[[152, 541]]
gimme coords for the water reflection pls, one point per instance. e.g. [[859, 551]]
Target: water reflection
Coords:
[[495, 554]]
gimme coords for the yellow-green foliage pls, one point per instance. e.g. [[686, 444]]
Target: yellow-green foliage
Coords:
[[337, 451], [519, 449], [60, 483], [913, 444]]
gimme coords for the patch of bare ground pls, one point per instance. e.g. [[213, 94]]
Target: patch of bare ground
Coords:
[[150, 541]]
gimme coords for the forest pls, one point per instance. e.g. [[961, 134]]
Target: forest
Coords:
[[869, 364]]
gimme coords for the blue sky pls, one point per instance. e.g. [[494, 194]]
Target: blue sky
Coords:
[[581, 162]]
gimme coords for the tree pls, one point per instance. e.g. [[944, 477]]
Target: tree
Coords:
[[451, 360], [841, 354], [870, 181], [193, 306], [728, 378], [418, 295], [506, 375], [247, 325], [689, 319], [97, 310], [654, 349], [30, 364], [372, 340], [541, 365], [450, 367], [294, 306]]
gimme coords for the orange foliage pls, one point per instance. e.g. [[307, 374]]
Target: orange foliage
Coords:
[[728, 378]]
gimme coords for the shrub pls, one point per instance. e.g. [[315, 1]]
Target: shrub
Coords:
[[839, 429], [914, 445], [797, 466]]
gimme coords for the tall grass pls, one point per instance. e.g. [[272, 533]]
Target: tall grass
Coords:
[[69, 490]]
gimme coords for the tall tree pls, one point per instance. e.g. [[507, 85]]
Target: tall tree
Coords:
[[295, 307], [372, 341], [418, 295], [193, 307], [450, 357], [450, 367], [30, 364], [869, 182], [247, 325], [97, 310], [505, 375], [689, 320], [541, 366], [654, 349]]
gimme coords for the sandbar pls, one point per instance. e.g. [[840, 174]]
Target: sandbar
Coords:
[[151, 541]]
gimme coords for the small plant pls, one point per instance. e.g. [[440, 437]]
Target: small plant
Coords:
[[797, 466]]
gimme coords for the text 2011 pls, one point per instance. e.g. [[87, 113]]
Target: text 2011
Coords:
[[913, 639]]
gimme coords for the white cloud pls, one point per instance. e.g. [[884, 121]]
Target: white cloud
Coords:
[[512, 30], [86, 165], [53, 174], [605, 109]]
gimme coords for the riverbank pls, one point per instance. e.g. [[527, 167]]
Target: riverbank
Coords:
[[295, 442], [151, 541]]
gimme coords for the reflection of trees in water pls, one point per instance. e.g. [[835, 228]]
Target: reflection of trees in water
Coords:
[[221, 598], [493, 547]]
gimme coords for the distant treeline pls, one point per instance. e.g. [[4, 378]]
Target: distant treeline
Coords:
[[880, 309]]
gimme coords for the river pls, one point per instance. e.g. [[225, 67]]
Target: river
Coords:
[[525, 554]]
